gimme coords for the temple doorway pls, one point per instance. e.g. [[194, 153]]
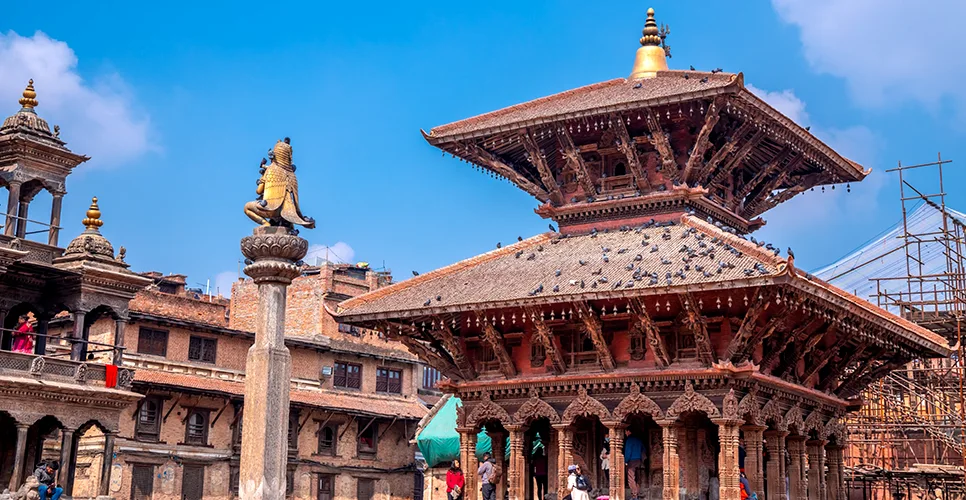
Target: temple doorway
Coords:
[[698, 451], [648, 474], [8, 447], [538, 446], [588, 441]]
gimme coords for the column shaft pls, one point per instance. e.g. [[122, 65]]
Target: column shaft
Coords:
[[468, 462], [816, 468], [671, 462], [106, 463], [516, 472], [564, 457], [617, 466], [498, 440], [19, 458], [77, 349], [775, 441], [119, 326], [753, 456], [835, 477], [729, 476], [22, 210], [66, 449], [13, 203], [54, 231]]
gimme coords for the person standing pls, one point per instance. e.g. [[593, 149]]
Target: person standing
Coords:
[[577, 484], [633, 457], [455, 481], [487, 473], [605, 463], [23, 339], [539, 458]]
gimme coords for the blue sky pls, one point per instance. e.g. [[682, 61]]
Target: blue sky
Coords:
[[177, 105]]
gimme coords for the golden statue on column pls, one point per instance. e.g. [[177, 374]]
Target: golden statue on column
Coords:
[[278, 192]]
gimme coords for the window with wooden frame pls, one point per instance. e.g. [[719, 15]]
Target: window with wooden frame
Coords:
[[430, 377], [152, 341], [368, 435], [388, 380], [638, 347], [365, 489], [328, 439], [148, 425], [347, 375], [326, 486], [293, 431], [290, 482], [196, 427], [202, 349]]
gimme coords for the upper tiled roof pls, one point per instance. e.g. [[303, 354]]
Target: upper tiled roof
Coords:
[[357, 404], [598, 97]]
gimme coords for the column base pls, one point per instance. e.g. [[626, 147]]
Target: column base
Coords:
[[264, 454]]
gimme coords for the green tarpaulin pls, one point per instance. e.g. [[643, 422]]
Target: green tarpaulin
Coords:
[[439, 442]]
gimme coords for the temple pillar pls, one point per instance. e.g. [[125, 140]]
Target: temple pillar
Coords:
[[796, 472], [268, 369], [22, 210], [66, 450], [690, 457], [517, 470], [835, 479], [753, 456], [617, 466], [104, 489], [40, 340], [77, 348], [816, 468], [565, 453], [54, 231], [468, 461], [13, 203], [119, 326], [775, 441], [729, 475], [498, 440], [20, 457], [672, 488]]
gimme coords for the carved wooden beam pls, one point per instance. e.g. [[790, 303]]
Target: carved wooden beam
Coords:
[[431, 357], [711, 117], [836, 371], [696, 323], [651, 333], [723, 151], [738, 157], [543, 336], [806, 183], [748, 326], [772, 184], [494, 339], [804, 348], [595, 331], [661, 143], [768, 169], [858, 380], [539, 160], [456, 348], [796, 337], [491, 161], [572, 155], [629, 148]]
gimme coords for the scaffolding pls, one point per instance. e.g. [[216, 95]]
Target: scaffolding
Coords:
[[908, 440]]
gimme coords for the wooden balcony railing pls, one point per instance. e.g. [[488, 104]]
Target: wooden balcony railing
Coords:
[[60, 370]]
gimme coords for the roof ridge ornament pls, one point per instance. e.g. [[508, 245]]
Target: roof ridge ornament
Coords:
[[29, 99], [93, 220], [653, 54]]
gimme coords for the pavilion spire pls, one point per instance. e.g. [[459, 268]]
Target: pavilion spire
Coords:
[[93, 220], [29, 99], [653, 54]]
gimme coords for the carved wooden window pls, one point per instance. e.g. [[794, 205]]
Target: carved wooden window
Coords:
[[290, 482], [347, 376], [193, 482], [686, 348], [620, 169], [368, 435], [202, 349], [326, 486], [293, 431], [638, 347], [196, 427], [328, 439], [233, 480], [148, 426], [538, 354], [388, 381], [430, 377], [152, 341]]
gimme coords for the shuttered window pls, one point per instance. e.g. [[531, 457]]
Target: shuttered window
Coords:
[[388, 381], [142, 482], [196, 428], [148, 426], [202, 349], [326, 486], [348, 376], [327, 439], [153, 342], [430, 377]]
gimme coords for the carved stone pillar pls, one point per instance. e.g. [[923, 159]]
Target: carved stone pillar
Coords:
[[689, 454], [19, 457], [775, 440], [77, 349], [104, 488], [836, 478], [268, 370], [565, 452], [729, 476], [54, 232], [468, 462], [119, 326], [617, 465], [816, 468], [796, 473], [498, 440], [517, 469], [13, 203], [753, 456], [672, 463], [66, 450]]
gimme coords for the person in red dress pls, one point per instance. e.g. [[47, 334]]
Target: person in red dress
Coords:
[[455, 481], [23, 339]]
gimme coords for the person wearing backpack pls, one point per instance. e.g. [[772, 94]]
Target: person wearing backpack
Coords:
[[578, 484], [487, 473]]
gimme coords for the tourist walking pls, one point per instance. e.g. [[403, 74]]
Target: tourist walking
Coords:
[[455, 481], [633, 457], [487, 473], [577, 484]]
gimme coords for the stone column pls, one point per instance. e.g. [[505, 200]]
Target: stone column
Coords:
[[835, 479], [775, 467], [21, 231], [498, 442], [816, 468], [729, 475], [77, 349], [753, 456], [517, 470], [564, 457], [796, 474], [54, 231], [617, 466], [104, 489], [119, 325], [13, 203], [66, 449], [468, 462], [672, 488], [268, 370], [40, 341], [19, 457]]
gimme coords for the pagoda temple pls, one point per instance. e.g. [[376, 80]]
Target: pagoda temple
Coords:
[[648, 314]]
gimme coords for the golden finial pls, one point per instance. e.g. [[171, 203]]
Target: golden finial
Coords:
[[653, 54], [29, 101], [93, 220]]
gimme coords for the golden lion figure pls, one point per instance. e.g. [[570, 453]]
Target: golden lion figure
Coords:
[[278, 192]]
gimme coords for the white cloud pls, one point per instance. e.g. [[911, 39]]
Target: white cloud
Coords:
[[785, 101], [223, 282], [98, 119], [887, 50], [339, 253]]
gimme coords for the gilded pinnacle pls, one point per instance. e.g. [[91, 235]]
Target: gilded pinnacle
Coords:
[[93, 220], [29, 99], [653, 53]]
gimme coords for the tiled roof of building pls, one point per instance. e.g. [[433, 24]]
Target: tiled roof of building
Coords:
[[354, 404], [614, 93]]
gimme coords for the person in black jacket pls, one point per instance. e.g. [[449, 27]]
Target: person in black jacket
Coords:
[[45, 475]]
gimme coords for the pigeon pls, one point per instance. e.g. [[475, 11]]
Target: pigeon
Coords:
[[654, 249], [606, 259], [540, 288], [439, 298], [603, 279], [638, 258], [540, 248], [622, 250], [593, 284], [704, 80], [532, 256], [582, 262], [639, 85], [687, 76], [519, 238], [692, 67], [552, 229], [618, 284], [599, 271], [556, 288], [791, 253], [249, 262], [557, 272], [518, 254], [716, 70], [581, 283], [808, 128], [428, 302], [498, 244], [415, 273], [605, 249]]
